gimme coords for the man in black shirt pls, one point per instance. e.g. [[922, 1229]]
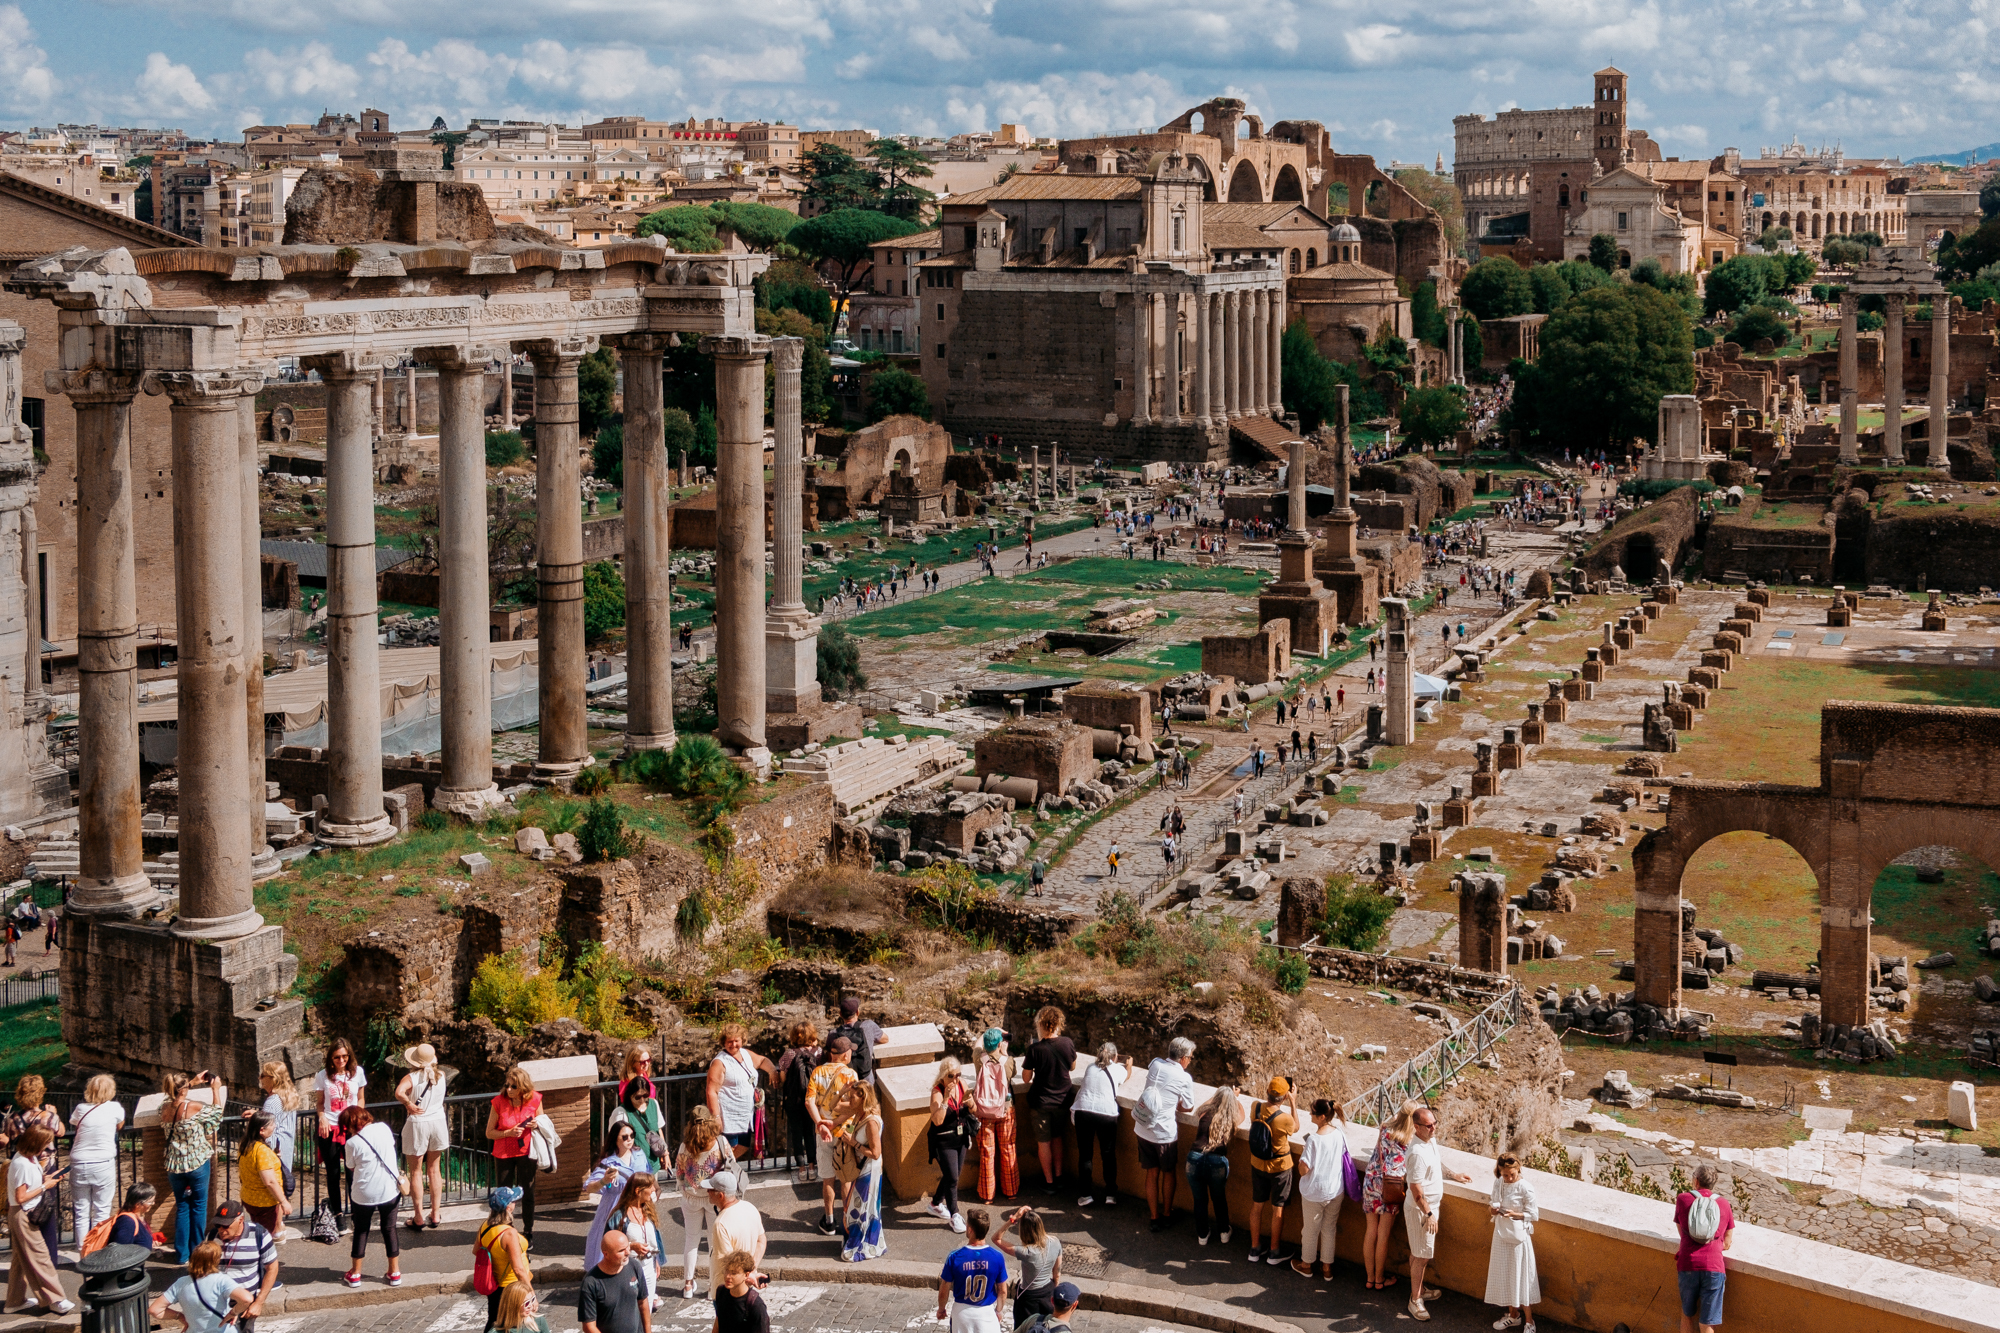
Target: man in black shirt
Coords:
[[1048, 1065], [611, 1300], [738, 1307]]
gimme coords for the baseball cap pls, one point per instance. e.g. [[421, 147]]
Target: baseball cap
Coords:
[[1279, 1087], [850, 1005], [503, 1196], [840, 1045], [1066, 1295], [227, 1212], [726, 1183]]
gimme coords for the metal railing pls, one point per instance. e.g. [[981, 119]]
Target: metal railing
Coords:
[[1444, 1061], [30, 987], [1196, 841]]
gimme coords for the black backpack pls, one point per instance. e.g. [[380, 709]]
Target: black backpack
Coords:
[[1262, 1145], [798, 1078], [864, 1050]]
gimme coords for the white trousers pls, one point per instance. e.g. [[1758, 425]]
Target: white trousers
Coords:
[[93, 1188]]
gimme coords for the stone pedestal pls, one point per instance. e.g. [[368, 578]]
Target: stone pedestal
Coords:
[[1621, 640], [1708, 677], [1749, 610], [1456, 811], [1486, 784], [1576, 689], [1300, 598], [1934, 614], [1730, 640], [1593, 670], [1682, 716], [1721, 659], [1510, 754], [1427, 846], [1535, 733], [1651, 611], [1839, 617], [1482, 922], [1694, 696]]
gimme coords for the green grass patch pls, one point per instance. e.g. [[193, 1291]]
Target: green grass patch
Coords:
[[31, 1041]]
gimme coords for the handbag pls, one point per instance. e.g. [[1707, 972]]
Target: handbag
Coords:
[[1395, 1188], [402, 1178], [846, 1159], [325, 1227]]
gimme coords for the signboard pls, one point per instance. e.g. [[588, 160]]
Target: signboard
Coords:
[[1756, 201]]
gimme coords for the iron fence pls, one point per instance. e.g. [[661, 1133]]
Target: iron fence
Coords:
[[30, 987], [1444, 1061]]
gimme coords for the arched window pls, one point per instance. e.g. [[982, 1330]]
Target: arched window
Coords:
[[1295, 261], [1312, 259]]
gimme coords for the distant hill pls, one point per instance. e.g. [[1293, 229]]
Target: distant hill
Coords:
[[1982, 153]]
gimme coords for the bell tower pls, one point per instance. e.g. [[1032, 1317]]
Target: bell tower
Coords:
[[1612, 138]]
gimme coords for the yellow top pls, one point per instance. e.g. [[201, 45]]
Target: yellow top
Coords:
[[250, 1167]]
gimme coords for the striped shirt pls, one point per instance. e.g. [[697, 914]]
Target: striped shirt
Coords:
[[245, 1258]]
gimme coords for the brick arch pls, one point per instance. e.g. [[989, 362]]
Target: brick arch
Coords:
[[1245, 187], [1896, 831], [1287, 186]]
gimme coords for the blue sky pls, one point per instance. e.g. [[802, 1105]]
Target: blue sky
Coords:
[[1903, 77]]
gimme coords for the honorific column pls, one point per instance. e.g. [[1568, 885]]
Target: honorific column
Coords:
[[1170, 390], [112, 877], [354, 816], [1142, 359], [1940, 377], [740, 677], [1204, 359], [465, 663], [264, 862], [1850, 443], [210, 755], [1399, 724], [561, 668], [791, 632], [649, 630], [1892, 382]]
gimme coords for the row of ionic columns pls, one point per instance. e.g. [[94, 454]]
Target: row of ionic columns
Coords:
[[1235, 337], [1893, 343]]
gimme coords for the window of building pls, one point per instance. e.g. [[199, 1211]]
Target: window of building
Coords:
[[896, 341], [940, 310], [1081, 236], [32, 416], [940, 351], [971, 237], [906, 287], [1729, 196], [1621, 222]]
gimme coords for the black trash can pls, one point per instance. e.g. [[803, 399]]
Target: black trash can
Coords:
[[116, 1288]]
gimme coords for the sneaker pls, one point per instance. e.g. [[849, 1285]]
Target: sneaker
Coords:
[[395, 1279], [1277, 1256], [1201, 1240], [1430, 1294], [1528, 1327], [1224, 1237], [1509, 1320], [939, 1211], [958, 1222], [62, 1307], [1257, 1253], [1417, 1311], [1086, 1201], [828, 1227], [1109, 1201], [352, 1281]]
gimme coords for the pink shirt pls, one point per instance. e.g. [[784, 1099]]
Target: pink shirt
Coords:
[[1693, 1258]]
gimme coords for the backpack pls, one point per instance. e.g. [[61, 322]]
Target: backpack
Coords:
[[96, 1238], [484, 1281], [1263, 1144], [798, 1078], [864, 1051], [1704, 1217], [990, 1098]]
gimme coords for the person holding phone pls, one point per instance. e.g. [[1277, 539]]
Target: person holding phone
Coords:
[[32, 1269], [190, 1127]]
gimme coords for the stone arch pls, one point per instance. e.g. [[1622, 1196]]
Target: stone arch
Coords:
[[1767, 223], [1784, 219], [1244, 185], [1287, 187], [1815, 226], [900, 465], [1197, 123]]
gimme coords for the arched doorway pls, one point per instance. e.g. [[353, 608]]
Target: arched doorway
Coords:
[[1287, 188], [1761, 895], [1642, 557], [1244, 187]]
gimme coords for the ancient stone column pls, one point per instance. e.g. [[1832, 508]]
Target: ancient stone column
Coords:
[[507, 391], [211, 756], [378, 406], [1034, 472], [1400, 721], [112, 877], [561, 668], [1232, 352], [649, 601], [31, 574], [1275, 348], [1218, 356], [1142, 361], [1170, 391], [1246, 354], [410, 398], [263, 861], [1892, 382], [465, 663], [1295, 493], [1342, 453], [1259, 348], [1940, 377], [740, 680], [1850, 444], [791, 632], [1204, 359], [353, 816]]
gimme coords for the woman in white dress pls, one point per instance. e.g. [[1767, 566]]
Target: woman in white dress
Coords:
[[1511, 1279]]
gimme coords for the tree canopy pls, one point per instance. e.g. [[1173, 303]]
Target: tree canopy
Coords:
[[1431, 416], [1604, 251], [1426, 318], [896, 165], [596, 386], [689, 228], [1759, 321], [1496, 288], [1607, 357], [1442, 196], [1309, 383], [1843, 252], [895, 392], [834, 180], [1554, 284], [844, 241], [1964, 256], [761, 226], [1747, 279]]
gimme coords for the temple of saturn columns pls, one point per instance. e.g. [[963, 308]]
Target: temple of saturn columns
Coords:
[[196, 981]]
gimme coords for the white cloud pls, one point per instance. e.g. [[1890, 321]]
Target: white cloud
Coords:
[[29, 83], [170, 90]]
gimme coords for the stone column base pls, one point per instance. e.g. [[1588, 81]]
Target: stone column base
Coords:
[[1534, 733], [217, 927], [364, 834], [1485, 784], [561, 770], [655, 740], [1934, 621], [128, 895], [1456, 813], [1509, 757], [264, 862], [1426, 846], [472, 802]]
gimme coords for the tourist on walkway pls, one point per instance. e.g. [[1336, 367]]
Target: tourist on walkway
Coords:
[[1110, 859], [1423, 1205], [732, 1087], [1326, 1169], [202, 1295], [973, 1281], [505, 1254], [31, 1269], [739, 1307], [249, 1256], [519, 1312], [738, 1224], [1208, 1164], [702, 1154], [132, 1225], [335, 1088], [638, 1108], [1511, 1279], [93, 1154], [794, 1077], [1271, 1169], [189, 1130], [1049, 1064], [510, 1120], [29, 1111], [281, 1103], [636, 1218], [993, 1103], [622, 1159], [832, 1110], [638, 1064], [1156, 1125], [1382, 1191], [376, 1193], [426, 1133], [865, 1033], [951, 1131], [1095, 1116], [612, 1298], [260, 1184], [1040, 1257], [1707, 1226], [861, 1221]]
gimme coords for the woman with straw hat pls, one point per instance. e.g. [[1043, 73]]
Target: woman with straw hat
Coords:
[[426, 1134]]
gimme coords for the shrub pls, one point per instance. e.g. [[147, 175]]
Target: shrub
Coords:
[[696, 768], [504, 448], [598, 984], [607, 454], [503, 991], [839, 653], [1356, 916], [603, 600], [1655, 487], [1288, 969], [432, 821], [944, 895], [603, 835], [592, 781]]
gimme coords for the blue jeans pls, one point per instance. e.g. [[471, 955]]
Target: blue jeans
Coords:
[[1208, 1179], [190, 1208]]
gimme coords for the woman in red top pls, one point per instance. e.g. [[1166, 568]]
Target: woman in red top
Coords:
[[509, 1122]]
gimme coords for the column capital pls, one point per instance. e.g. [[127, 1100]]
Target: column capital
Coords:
[[752, 346], [94, 387], [641, 344], [205, 388], [1849, 304], [470, 357], [353, 363], [1893, 303], [573, 348], [788, 353]]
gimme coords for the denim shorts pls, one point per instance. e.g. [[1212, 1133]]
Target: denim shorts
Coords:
[[1701, 1297]]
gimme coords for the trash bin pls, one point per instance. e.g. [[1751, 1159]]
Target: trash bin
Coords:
[[115, 1289]]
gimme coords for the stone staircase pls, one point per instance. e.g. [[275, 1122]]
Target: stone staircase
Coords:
[[862, 772]]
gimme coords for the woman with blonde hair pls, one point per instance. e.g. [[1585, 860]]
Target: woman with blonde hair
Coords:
[[510, 1119], [862, 1223], [1208, 1163], [190, 1129], [951, 1132], [93, 1154], [1383, 1188], [702, 1154], [519, 1312]]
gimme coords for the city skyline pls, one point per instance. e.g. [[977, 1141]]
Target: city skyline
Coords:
[[1907, 79]]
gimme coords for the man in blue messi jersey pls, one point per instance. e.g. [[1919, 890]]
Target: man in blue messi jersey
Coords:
[[974, 1279]]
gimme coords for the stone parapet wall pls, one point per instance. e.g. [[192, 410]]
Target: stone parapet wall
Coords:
[[1082, 441]]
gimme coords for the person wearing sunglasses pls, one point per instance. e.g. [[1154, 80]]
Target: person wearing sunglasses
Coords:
[[1426, 1172]]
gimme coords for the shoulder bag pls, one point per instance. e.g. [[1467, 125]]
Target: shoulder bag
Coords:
[[402, 1180]]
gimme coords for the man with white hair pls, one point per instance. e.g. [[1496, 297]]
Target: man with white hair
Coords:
[[1156, 1124], [738, 1225]]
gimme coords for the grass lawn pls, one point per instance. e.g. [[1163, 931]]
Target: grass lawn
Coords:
[[31, 1041]]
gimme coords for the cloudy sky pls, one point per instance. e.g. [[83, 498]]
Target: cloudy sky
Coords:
[[1882, 76]]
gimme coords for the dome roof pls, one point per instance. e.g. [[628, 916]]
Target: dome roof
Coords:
[[1346, 234]]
